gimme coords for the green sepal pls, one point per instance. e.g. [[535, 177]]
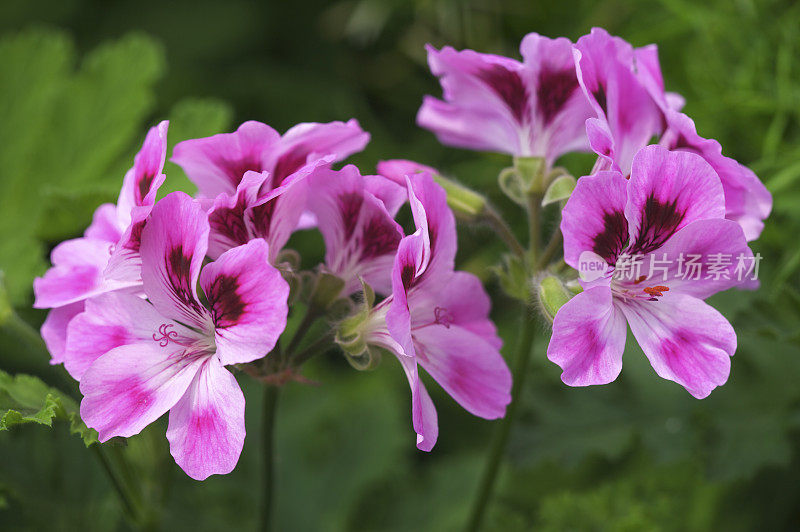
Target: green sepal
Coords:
[[560, 189]]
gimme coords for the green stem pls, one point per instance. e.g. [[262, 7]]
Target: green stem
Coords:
[[534, 232], [550, 250], [318, 346], [501, 228], [302, 329], [498, 445], [130, 507], [268, 435]]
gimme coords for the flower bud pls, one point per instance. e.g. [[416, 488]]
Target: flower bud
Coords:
[[552, 296], [461, 199]]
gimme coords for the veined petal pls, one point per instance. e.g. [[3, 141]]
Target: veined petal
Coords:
[[133, 385], [146, 175], [686, 340], [174, 244], [470, 369], [437, 224], [247, 297], [218, 163], [406, 264], [77, 273], [308, 141], [703, 258], [115, 319], [206, 427], [361, 238], [588, 338], [226, 217], [423, 412], [666, 192], [54, 329], [487, 103], [105, 225], [594, 218], [747, 200]]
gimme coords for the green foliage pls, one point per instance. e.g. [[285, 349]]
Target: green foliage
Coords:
[[26, 399]]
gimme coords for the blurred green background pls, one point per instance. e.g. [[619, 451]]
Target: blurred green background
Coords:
[[80, 82]]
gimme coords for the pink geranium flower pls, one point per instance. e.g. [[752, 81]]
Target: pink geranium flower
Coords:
[[146, 357], [439, 318], [626, 89], [355, 215], [671, 210], [532, 108], [106, 258]]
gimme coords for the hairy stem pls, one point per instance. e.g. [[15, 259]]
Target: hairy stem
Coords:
[[534, 231], [553, 246], [498, 445], [501, 228], [268, 435], [123, 493]]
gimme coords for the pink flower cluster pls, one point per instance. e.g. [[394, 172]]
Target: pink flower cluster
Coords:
[[157, 297], [658, 190]]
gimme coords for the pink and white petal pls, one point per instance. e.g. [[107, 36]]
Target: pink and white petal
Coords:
[[305, 142], [686, 340], [226, 217], [217, 164], [105, 224], [719, 249], [588, 338], [206, 427], [423, 413], [174, 244], [116, 319], [667, 191], [54, 329], [133, 385], [470, 369], [148, 164], [77, 273], [247, 297], [594, 218], [461, 301]]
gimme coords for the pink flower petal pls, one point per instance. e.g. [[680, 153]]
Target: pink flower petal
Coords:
[[423, 412], [247, 297], [54, 329], [588, 338], [206, 426]]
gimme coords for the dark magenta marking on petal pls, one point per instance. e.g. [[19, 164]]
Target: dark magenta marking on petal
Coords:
[[227, 306], [135, 240], [236, 168], [600, 95], [180, 277], [407, 275], [144, 186], [508, 85], [289, 163], [230, 222], [659, 222], [350, 206], [262, 217], [610, 243], [380, 238], [554, 89]]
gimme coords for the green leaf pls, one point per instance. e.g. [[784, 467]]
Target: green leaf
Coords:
[[560, 189], [26, 399]]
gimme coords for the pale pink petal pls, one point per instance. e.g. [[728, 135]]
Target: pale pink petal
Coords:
[[470, 369], [54, 329], [247, 297], [667, 191], [174, 244], [105, 224], [218, 163], [594, 218], [115, 319], [588, 338], [131, 386], [686, 340], [423, 413], [392, 195], [398, 169], [206, 427], [143, 179], [77, 273]]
